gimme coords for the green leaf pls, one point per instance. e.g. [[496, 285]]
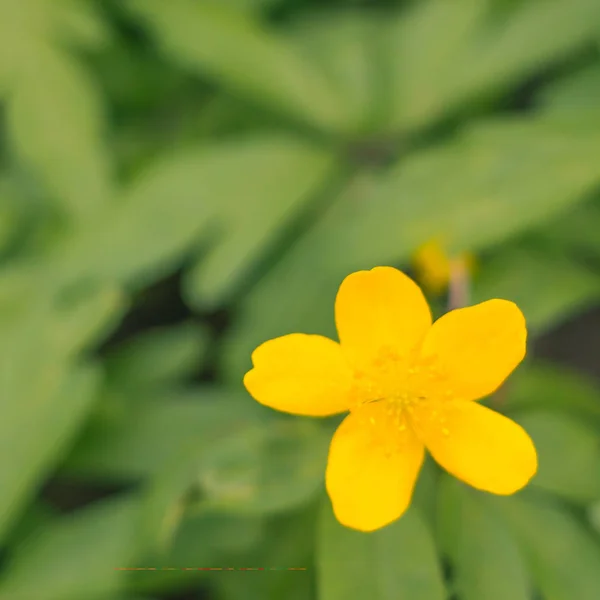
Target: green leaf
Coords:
[[277, 177], [136, 441], [268, 469], [345, 45], [423, 50], [159, 216], [478, 190], [166, 210], [202, 541], [51, 419], [81, 22], [75, 556], [426, 490], [568, 454], [54, 121], [158, 356], [577, 92], [443, 54], [547, 286], [397, 562], [486, 559], [576, 233], [288, 543], [241, 54], [51, 406], [549, 386], [563, 557]]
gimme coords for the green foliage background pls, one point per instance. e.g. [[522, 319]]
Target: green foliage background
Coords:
[[181, 180]]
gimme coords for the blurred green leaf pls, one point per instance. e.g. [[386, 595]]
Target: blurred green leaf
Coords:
[[157, 356], [75, 556], [36, 515], [138, 441], [81, 22], [486, 559], [577, 232], [568, 454], [490, 183], [51, 419], [237, 51], [442, 54], [168, 209], [549, 386], [259, 185], [562, 555], [267, 469], [397, 562], [547, 286], [345, 46], [426, 490], [425, 46], [154, 222], [287, 543], [55, 124], [51, 405], [577, 92], [204, 540]]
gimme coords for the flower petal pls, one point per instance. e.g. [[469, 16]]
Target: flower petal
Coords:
[[377, 311], [471, 351], [476, 444], [372, 469], [300, 374]]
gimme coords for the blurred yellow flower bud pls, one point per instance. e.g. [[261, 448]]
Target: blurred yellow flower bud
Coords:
[[433, 266]]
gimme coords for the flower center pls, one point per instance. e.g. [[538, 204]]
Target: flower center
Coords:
[[388, 393]]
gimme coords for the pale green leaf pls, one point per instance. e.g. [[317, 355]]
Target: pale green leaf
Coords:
[[244, 56], [486, 560], [345, 45], [259, 186], [577, 92], [51, 417], [547, 286], [288, 543], [167, 210], [157, 356], [54, 121], [562, 555], [202, 541], [476, 191], [577, 232], [272, 468], [81, 22], [155, 221], [550, 386], [568, 454], [75, 556], [51, 405], [443, 54], [397, 562], [424, 47], [136, 441]]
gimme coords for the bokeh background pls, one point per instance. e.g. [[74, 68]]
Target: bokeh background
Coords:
[[181, 180]]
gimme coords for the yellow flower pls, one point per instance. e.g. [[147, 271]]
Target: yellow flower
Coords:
[[408, 385], [433, 266]]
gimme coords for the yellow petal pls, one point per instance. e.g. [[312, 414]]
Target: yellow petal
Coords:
[[372, 469], [300, 374], [380, 314], [482, 447], [471, 351]]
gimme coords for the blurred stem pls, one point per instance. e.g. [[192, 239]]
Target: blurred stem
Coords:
[[459, 287]]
